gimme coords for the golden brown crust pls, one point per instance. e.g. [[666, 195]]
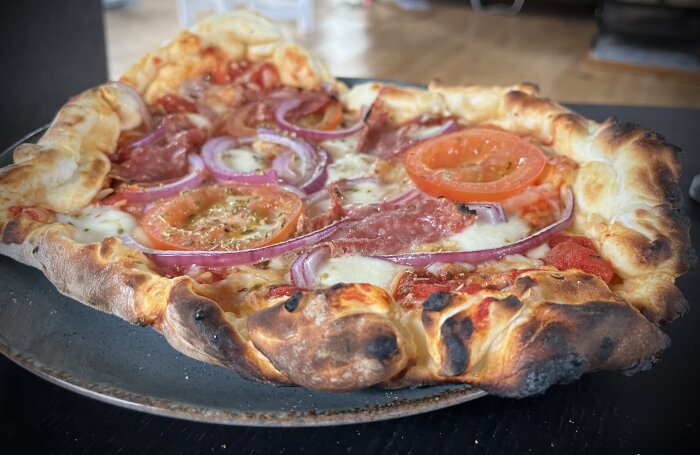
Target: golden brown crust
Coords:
[[547, 327], [220, 39], [627, 193], [341, 338]]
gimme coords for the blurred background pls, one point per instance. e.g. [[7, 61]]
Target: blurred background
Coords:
[[634, 52], [626, 52]]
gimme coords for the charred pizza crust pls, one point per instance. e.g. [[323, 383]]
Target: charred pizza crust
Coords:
[[545, 327]]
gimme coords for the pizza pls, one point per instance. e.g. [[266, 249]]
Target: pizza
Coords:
[[265, 217]]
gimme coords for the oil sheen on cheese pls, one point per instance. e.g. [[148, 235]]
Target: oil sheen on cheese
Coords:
[[357, 269], [97, 222], [482, 235]]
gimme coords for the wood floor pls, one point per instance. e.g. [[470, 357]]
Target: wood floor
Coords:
[[448, 41]]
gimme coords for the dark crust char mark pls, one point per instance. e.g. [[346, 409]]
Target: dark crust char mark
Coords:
[[563, 341], [437, 301], [198, 325], [455, 334]]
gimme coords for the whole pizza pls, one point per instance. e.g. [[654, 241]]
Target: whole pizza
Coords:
[[267, 218]]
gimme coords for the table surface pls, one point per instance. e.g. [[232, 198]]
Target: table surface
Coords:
[[649, 412]]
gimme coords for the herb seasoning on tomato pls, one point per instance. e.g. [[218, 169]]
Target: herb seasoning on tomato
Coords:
[[223, 218]]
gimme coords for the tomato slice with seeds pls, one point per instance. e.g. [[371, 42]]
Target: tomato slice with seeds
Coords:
[[223, 218], [477, 164]]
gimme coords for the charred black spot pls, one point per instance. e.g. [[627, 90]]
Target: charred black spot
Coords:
[[559, 370], [672, 192], [35, 250], [464, 208], [455, 333], [382, 347], [199, 314], [678, 215], [511, 302], [437, 301], [604, 350], [524, 283], [657, 250], [689, 258], [680, 154], [292, 302], [337, 286]]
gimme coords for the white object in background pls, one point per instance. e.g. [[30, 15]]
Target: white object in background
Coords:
[[301, 11], [498, 9]]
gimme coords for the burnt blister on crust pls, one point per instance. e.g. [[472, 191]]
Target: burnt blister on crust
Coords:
[[455, 334], [199, 326], [382, 347], [512, 303], [292, 302], [437, 301]]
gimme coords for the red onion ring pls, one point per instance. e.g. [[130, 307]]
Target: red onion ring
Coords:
[[293, 189], [145, 114], [167, 258], [492, 213], [476, 257], [149, 138], [314, 163], [149, 194], [282, 165], [311, 133], [417, 133], [320, 174], [211, 153], [304, 270]]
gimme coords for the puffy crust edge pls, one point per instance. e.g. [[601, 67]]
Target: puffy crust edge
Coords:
[[216, 40], [118, 280], [628, 200]]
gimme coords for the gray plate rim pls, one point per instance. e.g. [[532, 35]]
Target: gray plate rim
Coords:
[[430, 401]]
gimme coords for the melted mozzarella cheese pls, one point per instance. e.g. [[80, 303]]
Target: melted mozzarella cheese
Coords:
[[358, 269], [538, 252], [341, 147], [351, 166], [365, 193], [483, 236], [97, 222], [242, 160]]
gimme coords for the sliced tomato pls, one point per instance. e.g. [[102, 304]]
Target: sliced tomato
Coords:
[[583, 241], [477, 164], [283, 290], [223, 218], [573, 255]]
